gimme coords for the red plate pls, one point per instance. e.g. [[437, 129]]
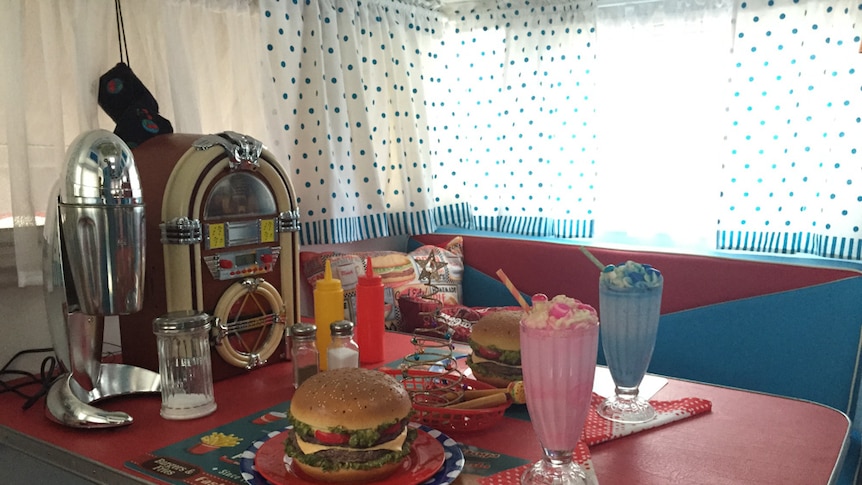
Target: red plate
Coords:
[[425, 458]]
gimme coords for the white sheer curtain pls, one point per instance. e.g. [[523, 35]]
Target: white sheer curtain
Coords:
[[201, 59], [662, 70], [589, 119]]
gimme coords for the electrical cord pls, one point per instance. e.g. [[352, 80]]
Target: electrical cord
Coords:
[[48, 373]]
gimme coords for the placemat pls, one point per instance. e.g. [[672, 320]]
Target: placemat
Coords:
[[213, 457]]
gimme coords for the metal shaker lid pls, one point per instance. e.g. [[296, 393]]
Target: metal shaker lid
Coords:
[[181, 321], [100, 170], [303, 330], [341, 328]]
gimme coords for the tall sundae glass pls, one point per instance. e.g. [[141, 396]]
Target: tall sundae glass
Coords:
[[559, 343], [629, 307]]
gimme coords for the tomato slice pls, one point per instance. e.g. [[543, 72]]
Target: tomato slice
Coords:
[[327, 438], [488, 353], [391, 430]]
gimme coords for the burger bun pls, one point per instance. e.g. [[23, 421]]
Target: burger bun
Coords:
[[500, 329], [352, 398]]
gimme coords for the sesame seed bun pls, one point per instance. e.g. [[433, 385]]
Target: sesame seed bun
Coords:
[[353, 398], [500, 329]]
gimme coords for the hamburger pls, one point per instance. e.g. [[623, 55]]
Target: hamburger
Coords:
[[496, 343], [349, 425], [393, 267]]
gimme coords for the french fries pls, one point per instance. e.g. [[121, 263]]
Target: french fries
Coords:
[[487, 398], [220, 440], [489, 401]]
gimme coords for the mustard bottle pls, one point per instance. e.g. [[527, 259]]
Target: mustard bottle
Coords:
[[328, 308]]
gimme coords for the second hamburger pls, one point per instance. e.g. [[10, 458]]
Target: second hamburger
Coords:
[[496, 343]]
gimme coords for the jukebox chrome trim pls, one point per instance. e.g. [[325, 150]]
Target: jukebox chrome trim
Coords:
[[244, 150], [288, 221], [181, 230]]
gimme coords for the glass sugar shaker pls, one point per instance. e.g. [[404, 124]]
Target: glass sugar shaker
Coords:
[[343, 350], [306, 358], [185, 367]]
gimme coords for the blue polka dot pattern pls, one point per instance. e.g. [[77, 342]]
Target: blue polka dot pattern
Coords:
[[385, 135], [795, 130], [514, 110], [352, 116], [396, 119]]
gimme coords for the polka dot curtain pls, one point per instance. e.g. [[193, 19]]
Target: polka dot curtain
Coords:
[[378, 119], [792, 180], [573, 119], [351, 118], [514, 113]]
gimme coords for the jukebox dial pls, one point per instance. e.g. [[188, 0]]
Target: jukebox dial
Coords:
[[229, 225], [248, 318]]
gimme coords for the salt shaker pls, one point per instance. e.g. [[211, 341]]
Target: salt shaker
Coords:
[[185, 368], [342, 351], [306, 358]]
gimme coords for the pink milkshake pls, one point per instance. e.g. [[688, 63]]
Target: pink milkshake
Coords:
[[559, 343]]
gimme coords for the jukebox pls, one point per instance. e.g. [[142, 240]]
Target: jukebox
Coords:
[[229, 247]]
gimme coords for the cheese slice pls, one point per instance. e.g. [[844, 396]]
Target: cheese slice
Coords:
[[392, 445]]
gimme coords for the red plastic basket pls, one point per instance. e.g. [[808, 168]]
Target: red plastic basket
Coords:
[[418, 382]]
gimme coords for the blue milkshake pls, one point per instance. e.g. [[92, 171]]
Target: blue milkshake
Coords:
[[629, 309]]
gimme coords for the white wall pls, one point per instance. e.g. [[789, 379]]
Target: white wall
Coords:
[[24, 325]]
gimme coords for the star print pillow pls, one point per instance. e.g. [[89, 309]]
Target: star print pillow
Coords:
[[431, 271]]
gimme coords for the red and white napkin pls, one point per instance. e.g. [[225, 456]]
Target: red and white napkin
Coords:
[[598, 430], [512, 476]]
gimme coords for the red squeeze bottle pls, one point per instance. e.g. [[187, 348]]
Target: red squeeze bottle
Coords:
[[369, 316]]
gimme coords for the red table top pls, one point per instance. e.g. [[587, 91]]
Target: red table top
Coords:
[[747, 437]]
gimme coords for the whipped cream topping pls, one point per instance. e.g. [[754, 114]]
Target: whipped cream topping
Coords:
[[631, 275], [559, 312]]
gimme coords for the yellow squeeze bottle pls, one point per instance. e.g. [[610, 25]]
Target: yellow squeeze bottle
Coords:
[[328, 308]]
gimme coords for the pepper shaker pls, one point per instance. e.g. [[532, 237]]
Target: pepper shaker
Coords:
[[306, 358]]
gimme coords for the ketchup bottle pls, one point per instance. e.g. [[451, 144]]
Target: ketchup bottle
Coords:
[[369, 316], [328, 308]]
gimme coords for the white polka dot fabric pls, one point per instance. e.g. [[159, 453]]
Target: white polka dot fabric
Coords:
[[791, 180], [520, 117]]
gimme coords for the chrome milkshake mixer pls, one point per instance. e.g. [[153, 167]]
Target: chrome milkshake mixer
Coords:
[[93, 267]]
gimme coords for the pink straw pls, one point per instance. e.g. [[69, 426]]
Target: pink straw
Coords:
[[513, 290]]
